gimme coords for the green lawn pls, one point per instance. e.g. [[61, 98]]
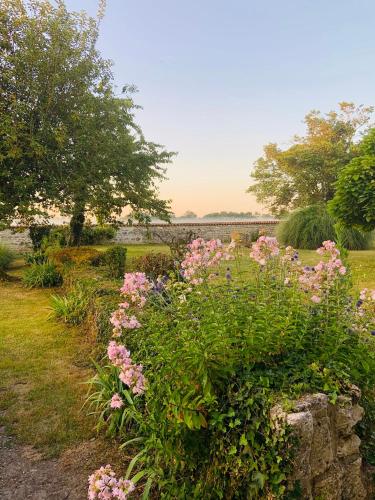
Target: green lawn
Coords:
[[43, 366]]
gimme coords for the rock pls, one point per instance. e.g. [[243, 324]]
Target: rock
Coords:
[[327, 463]]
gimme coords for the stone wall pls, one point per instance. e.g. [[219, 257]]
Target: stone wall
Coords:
[[19, 240], [328, 464], [157, 233]]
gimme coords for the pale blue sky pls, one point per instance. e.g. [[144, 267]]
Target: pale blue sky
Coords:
[[219, 79]]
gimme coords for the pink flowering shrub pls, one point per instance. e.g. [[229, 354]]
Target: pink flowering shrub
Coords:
[[217, 355]]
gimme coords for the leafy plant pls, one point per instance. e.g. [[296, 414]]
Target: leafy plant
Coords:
[[354, 200], [155, 264], [42, 275], [73, 307], [37, 257]]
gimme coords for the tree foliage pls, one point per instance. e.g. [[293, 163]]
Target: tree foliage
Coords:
[[304, 174], [354, 200], [67, 141]]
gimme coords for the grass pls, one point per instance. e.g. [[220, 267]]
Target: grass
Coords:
[[42, 376]]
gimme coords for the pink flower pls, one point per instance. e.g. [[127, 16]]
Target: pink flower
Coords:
[[316, 299], [117, 353], [264, 249], [103, 485], [120, 319], [116, 401], [130, 373], [135, 288], [201, 255]]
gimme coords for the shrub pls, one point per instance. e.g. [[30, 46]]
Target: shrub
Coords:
[[217, 356], [306, 228], [73, 255], [6, 258], [115, 259], [42, 275], [154, 264], [38, 233], [73, 307], [91, 235]]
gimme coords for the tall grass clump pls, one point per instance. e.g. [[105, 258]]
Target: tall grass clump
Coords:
[[307, 227], [73, 307], [44, 275]]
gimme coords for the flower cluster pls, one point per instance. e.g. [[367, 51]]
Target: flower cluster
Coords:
[[104, 485], [264, 248], [130, 373], [120, 320], [201, 255], [116, 401], [135, 289], [319, 278], [290, 256]]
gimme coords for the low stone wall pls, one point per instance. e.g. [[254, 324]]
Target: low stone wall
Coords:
[[158, 233], [328, 464]]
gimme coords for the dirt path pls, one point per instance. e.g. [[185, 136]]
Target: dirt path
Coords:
[[24, 474]]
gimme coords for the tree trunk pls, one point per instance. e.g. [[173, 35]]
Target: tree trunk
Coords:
[[76, 225]]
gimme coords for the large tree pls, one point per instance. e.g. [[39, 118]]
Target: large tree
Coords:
[[354, 200], [305, 173], [67, 141]]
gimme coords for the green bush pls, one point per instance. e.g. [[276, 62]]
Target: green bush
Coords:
[[59, 236], [42, 275], [352, 238], [100, 312], [73, 307], [6, 258], [115, 259], [217, 356], [38, 233], [306, 228], [154, 264], [94, 235]]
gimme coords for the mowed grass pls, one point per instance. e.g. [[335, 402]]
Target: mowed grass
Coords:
[[43, 368]]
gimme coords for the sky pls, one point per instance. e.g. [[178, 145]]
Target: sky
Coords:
[[218, 80]]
